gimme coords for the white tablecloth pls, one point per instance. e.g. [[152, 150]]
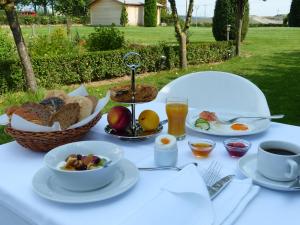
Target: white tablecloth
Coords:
[[18, 201]]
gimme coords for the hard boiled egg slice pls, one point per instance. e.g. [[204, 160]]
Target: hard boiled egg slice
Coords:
[[165, 141]]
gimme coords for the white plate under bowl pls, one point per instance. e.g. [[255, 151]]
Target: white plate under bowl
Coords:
[[45, 185], [247, 166], [257, 126]]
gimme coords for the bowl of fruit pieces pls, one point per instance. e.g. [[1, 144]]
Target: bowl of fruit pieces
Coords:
[[85, 165]]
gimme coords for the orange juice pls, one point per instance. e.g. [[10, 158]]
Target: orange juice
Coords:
[[176, 113]]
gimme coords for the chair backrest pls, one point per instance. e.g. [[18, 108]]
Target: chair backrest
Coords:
[[215, 91]]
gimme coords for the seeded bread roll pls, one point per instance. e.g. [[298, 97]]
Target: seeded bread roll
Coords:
[[34, 113], [85, 104], [54, 103], [67, 115], [57, 93]]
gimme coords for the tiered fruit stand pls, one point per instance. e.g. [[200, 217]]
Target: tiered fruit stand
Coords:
[[134, 131]]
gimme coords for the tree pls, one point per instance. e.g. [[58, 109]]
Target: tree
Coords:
[[12, 18], [294, 15], [71, 8], [164, 11], [42, 3], [124, 16], [182, 31], [240, 12], [225, 14], [150, 13]]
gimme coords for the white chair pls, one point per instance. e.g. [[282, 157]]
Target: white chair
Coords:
[[217, 91]]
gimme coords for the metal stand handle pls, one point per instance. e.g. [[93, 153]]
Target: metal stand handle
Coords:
[[129, 60]]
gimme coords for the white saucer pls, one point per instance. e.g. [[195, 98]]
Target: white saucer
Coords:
[[45, 185], [247, 166]]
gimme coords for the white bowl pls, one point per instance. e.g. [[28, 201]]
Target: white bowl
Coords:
[[84, 180]]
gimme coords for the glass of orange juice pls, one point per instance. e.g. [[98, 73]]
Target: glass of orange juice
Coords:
[[177, 109]]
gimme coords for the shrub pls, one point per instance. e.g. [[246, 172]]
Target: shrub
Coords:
[[167, 18], [44, 20], [225, 13], [150, 13], [124, 16], [56, 43], [105, 38], [294, 15], [7, 47], [28, 20], [93, 66]]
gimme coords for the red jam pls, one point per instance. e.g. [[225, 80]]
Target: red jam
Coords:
[[236, 149]]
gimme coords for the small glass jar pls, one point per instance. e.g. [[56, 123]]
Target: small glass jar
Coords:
[[165, 150], [236, 147]]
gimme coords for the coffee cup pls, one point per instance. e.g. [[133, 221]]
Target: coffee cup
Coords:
[[278, 160]]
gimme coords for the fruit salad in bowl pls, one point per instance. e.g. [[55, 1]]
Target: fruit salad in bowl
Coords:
[[84, 165]]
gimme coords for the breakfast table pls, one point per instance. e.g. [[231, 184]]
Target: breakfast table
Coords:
[[20, 205]]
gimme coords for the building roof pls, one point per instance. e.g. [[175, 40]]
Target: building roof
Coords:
[[129, 2]]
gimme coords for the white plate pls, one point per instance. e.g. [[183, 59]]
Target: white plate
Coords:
[[45, 185], [247, 166], [256, 126]]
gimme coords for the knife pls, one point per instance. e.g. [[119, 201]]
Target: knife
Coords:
[[219, 186]]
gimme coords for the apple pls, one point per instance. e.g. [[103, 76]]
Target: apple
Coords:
[[119, 117]]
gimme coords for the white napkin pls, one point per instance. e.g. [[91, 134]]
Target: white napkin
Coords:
[[233, 200], [4, 120], [185, 200]]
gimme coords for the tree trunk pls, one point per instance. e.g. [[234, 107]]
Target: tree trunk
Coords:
[[239, 37], [12, 19], [52, 8], [182, 33], [69, 25], [239, 24], [45, 9], [183, 50]]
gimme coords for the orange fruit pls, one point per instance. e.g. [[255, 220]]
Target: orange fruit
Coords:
[[149, 120]]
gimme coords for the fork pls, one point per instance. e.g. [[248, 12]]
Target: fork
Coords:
[[212, 173], [279, 116]]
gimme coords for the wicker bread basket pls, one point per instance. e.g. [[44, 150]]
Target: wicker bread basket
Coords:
[[45, 141]]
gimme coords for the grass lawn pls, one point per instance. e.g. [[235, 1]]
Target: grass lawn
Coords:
[[141, 35], [270, 59]]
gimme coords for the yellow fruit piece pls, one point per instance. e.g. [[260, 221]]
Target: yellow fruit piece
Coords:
[[149, 120]]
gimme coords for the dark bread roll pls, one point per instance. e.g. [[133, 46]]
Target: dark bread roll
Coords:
[[54, 103], [67, 115]]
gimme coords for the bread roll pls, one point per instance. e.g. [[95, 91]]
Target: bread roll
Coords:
[[94, 101], [10, 110], [54, 103], [85, 104], [57, 93], [67, 115], [34, 113]]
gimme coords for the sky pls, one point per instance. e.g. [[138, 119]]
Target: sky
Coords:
[[257, 7]]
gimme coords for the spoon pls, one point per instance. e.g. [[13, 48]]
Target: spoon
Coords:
[[176, 168]]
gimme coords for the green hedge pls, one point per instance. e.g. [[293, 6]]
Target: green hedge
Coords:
[[95, 66], [44, 20]]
